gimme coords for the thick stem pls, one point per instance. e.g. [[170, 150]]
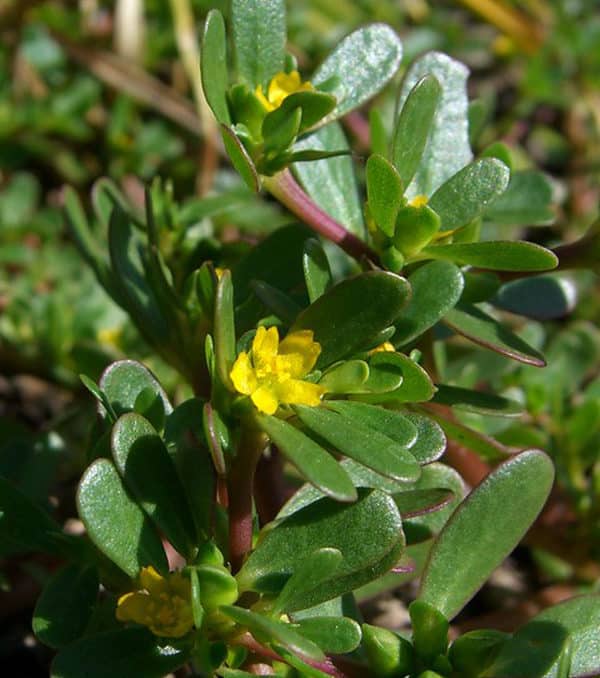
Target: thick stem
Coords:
[[285, 188], [240, 491]]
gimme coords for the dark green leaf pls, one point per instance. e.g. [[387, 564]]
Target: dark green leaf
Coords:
[[224, 329], [365, 445], [448, 148], [473, 651], [65, 606], [213, 61], [276, 301], [485, 529], [269, 630], [314, 105], [436, 288], [377, 133], [148, 471], [346, 377], [431, 441], [317, 273], [119, 654], [368, 533], [527, 200], [499, 255], [239, 158], [416, 385], [430, 631], [481, 328], [334, 635], [414, 125], [389, 655], [362, 64], [348, 315], [415, 227], [313, 462], [467, 194], [331, 182], [477, 401], [543, 297], [384, 193], [413, 503], [259, 37], [115, 523], [280, 127]]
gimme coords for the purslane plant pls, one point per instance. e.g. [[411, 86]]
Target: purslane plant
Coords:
[[310, 371]]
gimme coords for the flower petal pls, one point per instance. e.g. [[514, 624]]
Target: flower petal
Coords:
[[265, 400], [298, 392], [264, 348], [301, 343], [152, 581], [242, 374], [134, 607]]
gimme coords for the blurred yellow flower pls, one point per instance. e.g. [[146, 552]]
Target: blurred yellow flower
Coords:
[[163, 604], [386, 347], [280, 87], [271, 373]]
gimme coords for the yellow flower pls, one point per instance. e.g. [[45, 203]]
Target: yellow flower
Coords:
[[387, 346], [280, 87], [272, 372], [419, 201], [163, 604]]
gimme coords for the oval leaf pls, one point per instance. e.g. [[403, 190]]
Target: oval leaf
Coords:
[[384, 193], [213, 62], [499, 255], [334, 635], [543, 297], [485, 529]]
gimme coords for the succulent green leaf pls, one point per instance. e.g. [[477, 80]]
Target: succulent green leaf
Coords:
[[240, 158], [527, 200], [436, 288], [259, 37], [448, 149], [148, 472], [115, 523], [280, 127], [317, 273], [348, 315], [479, 286], [216, 586], [331, 182], [224, 328], [365, 445], [543, 297], [362, 64], [120, 654], [497, 255], [368, 533], [414, 125], [431, 441], [477, 401], [314, 105], [473, 651], [481, 328], [345, 377], [430, 631], [123, 382], [467, 194], [384, 193], [334, 635], [213, 62], [413, 503], [388, 654], [65, 606], [394, 424], [484, 530], [313, 462], [269, 630], [312, 571], [415, 227], [377, 133], [416, 385]]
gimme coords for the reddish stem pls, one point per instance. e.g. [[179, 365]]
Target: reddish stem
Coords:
[[286, 189]]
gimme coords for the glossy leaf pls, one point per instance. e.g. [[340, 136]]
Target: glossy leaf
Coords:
[[269, 630], [148, 471], [348, 315], [448, 148], [346, 377], [496, 255], [316, 568], [123, 382], [416, 225], [416, 385], [365, 445], [280, 127], [543, 297], [313, 462], [368, 533], [213, 62], [224, 325], [314, 105], [317, 273], [473, 651], [384, 193], [334, 635], [436, 288], [115, 523], [331, 182], [360, 66], [466, 195], [388, 654], [65, 606], [413, 126], [430, 631], [527, 200], [481, 328], [477, 401], [431, 441], [485, 529], [413, 503], [259, 36], [240, 158], [119, 654]]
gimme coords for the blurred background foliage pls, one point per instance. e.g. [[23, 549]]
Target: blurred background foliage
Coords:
[[91, 89]]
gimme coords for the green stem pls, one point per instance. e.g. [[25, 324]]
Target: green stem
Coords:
[[240, 491], [284, 187]]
